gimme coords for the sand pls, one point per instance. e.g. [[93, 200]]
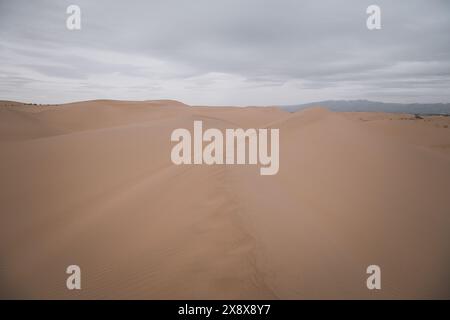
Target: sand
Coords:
[[92, 184]]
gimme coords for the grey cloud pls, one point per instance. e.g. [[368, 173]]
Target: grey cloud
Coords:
[[320, 44]]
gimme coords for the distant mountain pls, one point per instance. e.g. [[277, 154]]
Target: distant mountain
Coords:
[[374, 106]]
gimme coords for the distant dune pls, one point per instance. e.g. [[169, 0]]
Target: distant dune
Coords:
[[92, 184]]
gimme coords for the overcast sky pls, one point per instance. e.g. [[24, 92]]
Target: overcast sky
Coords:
[[225, 52]]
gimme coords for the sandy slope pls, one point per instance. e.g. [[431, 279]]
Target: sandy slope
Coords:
[[92, 184]]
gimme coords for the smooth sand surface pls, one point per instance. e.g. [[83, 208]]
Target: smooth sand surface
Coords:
[[92, 184]]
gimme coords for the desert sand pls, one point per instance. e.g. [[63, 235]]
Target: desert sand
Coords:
[[92, 184]]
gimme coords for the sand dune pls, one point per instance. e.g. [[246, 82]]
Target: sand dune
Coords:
[[92, 184]]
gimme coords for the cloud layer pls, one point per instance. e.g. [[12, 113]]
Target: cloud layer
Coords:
[[251, 52]]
